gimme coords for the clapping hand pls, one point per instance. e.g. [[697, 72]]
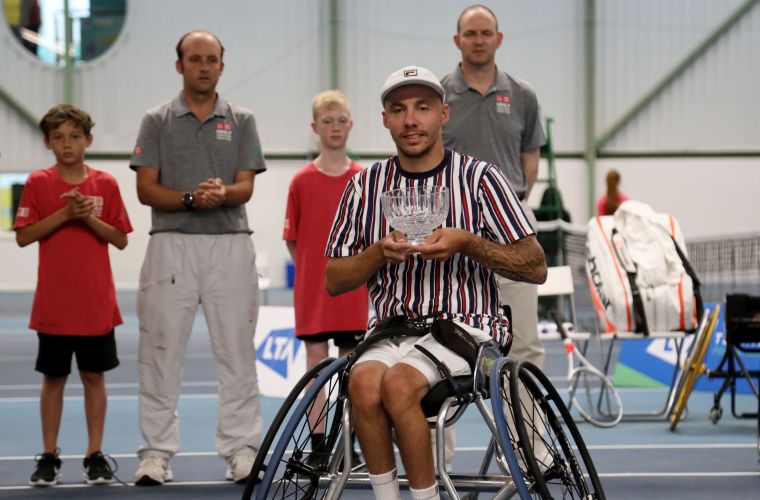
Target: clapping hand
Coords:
[[211, 193], [79, 206]]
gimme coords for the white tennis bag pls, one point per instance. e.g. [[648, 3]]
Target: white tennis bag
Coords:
[[639, 276]]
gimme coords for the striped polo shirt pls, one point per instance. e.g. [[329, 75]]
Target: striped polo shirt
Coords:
[[459, 288]]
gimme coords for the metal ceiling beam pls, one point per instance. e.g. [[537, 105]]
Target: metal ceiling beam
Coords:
[[590, 81], [19, 108], [334, 32], [68, 68]]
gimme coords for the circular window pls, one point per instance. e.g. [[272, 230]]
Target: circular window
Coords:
[[40, 27]]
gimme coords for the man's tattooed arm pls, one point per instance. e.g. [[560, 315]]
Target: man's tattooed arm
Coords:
[[522, 260]]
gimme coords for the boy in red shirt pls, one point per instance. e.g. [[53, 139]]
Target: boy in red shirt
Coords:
[[74, 212], [314, 195]]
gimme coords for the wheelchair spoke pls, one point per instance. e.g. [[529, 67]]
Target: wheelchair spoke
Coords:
[[301, 462], [550, 443], [279, 421]]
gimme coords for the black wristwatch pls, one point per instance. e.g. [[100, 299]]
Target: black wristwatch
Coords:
[[187, 200]]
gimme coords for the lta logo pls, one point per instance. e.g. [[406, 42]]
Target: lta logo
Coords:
[[279, 350]]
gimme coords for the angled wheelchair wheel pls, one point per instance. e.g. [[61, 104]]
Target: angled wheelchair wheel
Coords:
[[259, 464], [296, 470], [504, 417], [694, 367], [550, 443]]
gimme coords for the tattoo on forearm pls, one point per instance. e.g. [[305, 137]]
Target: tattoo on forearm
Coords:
[[520, 261]]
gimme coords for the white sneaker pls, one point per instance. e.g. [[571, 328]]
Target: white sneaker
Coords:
[[153, 471], [239, 465]]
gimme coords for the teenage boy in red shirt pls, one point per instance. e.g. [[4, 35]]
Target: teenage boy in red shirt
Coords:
[[74, 212], [314, 194]]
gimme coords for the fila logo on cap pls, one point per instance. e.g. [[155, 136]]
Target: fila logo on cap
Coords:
[[411, 75]]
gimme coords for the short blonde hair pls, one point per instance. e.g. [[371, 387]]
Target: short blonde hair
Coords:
[[329, 99]]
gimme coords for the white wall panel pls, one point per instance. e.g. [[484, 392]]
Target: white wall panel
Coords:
[[30, 81], [21, 146], [711, 106], [34, 85], [709, 197], [273, 65], [540, 46], [277, 59]]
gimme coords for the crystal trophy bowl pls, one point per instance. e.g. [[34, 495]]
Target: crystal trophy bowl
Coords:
[[416, 211]]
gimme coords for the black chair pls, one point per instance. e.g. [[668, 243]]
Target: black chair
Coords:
[[742, 336]]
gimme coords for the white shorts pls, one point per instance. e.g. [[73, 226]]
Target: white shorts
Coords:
[[395, 350]]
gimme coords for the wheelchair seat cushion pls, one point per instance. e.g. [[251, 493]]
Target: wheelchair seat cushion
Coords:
[[437, 394]]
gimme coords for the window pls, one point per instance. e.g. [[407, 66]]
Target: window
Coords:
[[40, 27]]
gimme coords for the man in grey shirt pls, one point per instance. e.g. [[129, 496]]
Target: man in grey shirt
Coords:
[[196, 159], [496, 118]]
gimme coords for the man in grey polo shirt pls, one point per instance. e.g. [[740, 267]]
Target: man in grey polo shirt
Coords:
[[196, 158], [496, 118]]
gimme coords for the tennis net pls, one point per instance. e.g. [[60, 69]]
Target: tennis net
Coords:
[[724, 264]]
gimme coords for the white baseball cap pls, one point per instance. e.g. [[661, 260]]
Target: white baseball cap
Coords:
[[411, 75]]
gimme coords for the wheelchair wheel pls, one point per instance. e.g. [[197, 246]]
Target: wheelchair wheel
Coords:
[[283, 413], [693, 368], [503, 413], [559, 463], [295, 470]]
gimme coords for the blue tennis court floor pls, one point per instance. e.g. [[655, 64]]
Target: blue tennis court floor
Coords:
[[636, 460]]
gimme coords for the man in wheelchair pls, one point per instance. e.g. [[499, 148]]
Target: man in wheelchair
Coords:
[[450, 276]]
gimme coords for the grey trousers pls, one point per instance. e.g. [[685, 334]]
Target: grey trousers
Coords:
[[180, 272], [523, 299]]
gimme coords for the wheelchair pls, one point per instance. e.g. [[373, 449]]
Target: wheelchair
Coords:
[[535, 450]]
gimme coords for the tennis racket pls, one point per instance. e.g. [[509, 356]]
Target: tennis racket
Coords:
[[592, 394]]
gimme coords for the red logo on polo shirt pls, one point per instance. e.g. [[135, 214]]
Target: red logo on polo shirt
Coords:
[[138, 150], [503, 104], [223, 131]]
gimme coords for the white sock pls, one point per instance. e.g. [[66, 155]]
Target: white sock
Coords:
[[429, 493], [385, 485]]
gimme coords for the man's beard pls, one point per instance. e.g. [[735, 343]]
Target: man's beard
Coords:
[[413, 154], [417, 154]]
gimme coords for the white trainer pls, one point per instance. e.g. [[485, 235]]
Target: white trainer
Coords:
[[239, 465], [153, 471]]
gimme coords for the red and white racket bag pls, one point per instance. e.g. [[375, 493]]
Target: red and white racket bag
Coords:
[[639, 275]]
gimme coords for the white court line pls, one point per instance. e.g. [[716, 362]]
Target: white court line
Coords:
[[560, 382], [11, 458], [84, 485], [118, 385], [679, 474], [687, 446], [36, 399], [670, 446], [114, 455], [711, 475]]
